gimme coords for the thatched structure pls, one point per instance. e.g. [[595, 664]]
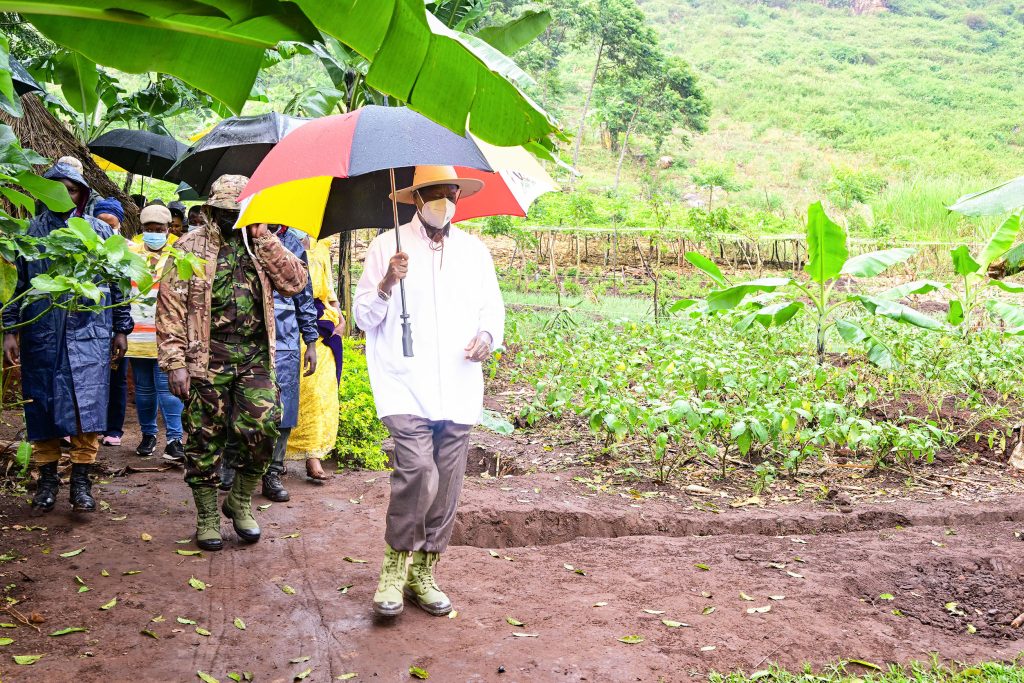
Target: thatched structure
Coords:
[[38, 129]]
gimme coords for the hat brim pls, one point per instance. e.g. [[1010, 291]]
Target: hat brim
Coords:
[[467, 186]]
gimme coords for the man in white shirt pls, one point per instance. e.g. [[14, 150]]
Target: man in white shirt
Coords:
[[431, 400]]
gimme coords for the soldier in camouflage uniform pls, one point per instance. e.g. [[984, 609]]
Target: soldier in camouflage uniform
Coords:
[[216, 344]]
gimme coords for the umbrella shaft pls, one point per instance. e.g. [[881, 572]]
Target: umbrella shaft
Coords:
[[406, 325]]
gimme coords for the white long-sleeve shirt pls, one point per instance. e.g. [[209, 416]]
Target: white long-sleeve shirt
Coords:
[[450, 301]]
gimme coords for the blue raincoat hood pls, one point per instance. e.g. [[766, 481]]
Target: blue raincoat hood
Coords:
[[65, 172]]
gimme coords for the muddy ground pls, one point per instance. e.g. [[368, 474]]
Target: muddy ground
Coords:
[[577, 566]]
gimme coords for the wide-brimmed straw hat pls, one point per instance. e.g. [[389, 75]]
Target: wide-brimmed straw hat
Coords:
[[426, 176]]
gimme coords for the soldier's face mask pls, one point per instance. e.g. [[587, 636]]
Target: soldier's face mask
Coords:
[[226, 220]]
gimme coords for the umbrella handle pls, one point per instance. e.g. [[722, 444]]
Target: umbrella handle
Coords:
[[406, 326]]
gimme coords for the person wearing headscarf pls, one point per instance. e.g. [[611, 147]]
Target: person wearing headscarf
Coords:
[[65, 359], [111, 212], [429, 401], [317, 430]]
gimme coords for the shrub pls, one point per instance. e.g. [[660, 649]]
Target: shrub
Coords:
[[848, 186], [360, 433], [976, 21]]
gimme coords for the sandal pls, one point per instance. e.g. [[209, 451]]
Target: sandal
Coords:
[[320, 476]]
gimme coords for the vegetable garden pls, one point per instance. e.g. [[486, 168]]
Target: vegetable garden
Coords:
[[771, 375]]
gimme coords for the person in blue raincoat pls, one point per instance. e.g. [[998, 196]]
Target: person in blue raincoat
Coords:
[[294, 317], [65, 359]]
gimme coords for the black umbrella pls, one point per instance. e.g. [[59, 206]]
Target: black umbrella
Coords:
[[234, 146], [23, 81], [186, 193], [138, 151]]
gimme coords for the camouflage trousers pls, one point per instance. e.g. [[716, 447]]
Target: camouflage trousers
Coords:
[[238, 399]]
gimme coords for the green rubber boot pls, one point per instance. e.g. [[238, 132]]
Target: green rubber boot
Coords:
[[421, 588], [238, 506], [207, 518], [387, 601]]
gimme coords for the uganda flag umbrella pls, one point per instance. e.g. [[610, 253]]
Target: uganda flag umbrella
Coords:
[[234, 146], [333, 174], [338, 173]]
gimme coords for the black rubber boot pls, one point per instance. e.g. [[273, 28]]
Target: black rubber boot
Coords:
[[147, 447], [46, 487], [227, 476], [81, 488], [273, 489]]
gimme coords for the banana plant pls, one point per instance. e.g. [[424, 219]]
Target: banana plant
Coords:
[[972, 281], [828, 262]]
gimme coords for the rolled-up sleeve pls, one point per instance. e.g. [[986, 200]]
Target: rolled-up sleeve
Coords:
[[368, 308], [492, 310]]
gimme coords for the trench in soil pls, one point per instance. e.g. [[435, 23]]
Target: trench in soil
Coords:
[[555, 523], [504, 528], [957, 595]]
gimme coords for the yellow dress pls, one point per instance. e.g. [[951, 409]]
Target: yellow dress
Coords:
[[317, 429]]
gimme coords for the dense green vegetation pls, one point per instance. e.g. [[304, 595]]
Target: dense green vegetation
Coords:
[[693, 393], [890, 114], [851, 672]]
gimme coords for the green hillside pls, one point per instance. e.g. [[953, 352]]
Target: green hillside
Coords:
[[902, 107]]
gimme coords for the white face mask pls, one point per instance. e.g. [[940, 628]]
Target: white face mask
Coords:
[[438, 212]]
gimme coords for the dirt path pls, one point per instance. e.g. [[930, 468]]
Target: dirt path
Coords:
[[632, 555]]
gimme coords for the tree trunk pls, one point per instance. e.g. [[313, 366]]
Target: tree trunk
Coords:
[[578, 264], [583, 114], [551, 256], [625, 145]]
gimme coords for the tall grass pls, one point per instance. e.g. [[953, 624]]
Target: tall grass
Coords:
[[916, 208], [546, 305]]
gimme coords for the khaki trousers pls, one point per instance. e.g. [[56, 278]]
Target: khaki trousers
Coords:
[[429, 465], [84, 448]]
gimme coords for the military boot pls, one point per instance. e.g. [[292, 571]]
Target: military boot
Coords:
[[238, 506], [207, 518], [46, 487], [81, 488], [387, 601], [421, 588]]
